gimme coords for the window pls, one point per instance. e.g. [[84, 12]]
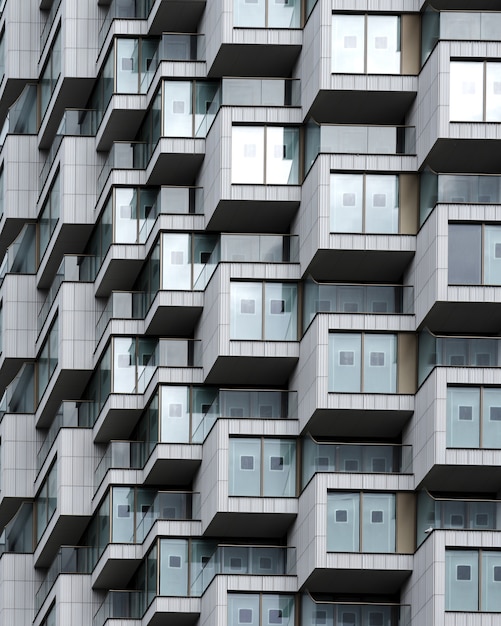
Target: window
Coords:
[[49, 216], [48, 358], [364, 203], [474, 417], [362, 362], [265, 155], [473, 580], [50, 618], [482, 264], [366, 44], [263, 311], [46, 502], [50, 74], [267, 13], [361, 522], [262, 467], [475, 91], [260, 609]]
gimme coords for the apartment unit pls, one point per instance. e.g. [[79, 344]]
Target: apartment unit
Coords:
[[250, 370]]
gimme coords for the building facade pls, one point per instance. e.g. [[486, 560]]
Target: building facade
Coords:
[[250, 312]]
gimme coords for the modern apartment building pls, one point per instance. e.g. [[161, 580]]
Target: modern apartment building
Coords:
[[250, 312]]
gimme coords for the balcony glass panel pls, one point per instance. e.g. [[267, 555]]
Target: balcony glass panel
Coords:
[[378, 522], [247, 150], [245, 467], [380, 363], [174, 566], [463, 417], [343, 522], [345, 358], [178, 111], [491, 582], [491, 418], [461, 575], [465, 269], [246, 311], [175, 414], [260, 92], [383, 44]]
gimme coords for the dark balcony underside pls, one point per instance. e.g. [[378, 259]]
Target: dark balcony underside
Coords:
[[361, 107], [463, 478], [356, 581], [465, 155], [353, 422], [249, 524], [464, 317], [254, 60]]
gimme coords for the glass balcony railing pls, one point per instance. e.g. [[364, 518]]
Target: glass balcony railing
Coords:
[[49, 23], [68, 416], [123, 10], [17, 536], [69, 560], [261, 92], [241, 404], [22, 116], [20, 255], [456, 351], [370, 458], [245, 560], [343, 298], [120, 305], [68, 271], [124, 155], [75, 122], [349, 139], [19, 396], [455, 514], [457, 189], [124, 605], [359, 613], [457, 26]]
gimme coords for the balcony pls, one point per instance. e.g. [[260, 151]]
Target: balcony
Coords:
[[276, 29], [362, 83], [112, 409], [21, 118], [350, 548], [361, 227], [460, 427]]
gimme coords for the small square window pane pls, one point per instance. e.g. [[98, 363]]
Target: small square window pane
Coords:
[[341, 516], [247, 462]]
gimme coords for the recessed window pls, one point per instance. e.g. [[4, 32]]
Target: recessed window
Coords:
[[377, 517], [463, 572], [175, 562], [341, 516]]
